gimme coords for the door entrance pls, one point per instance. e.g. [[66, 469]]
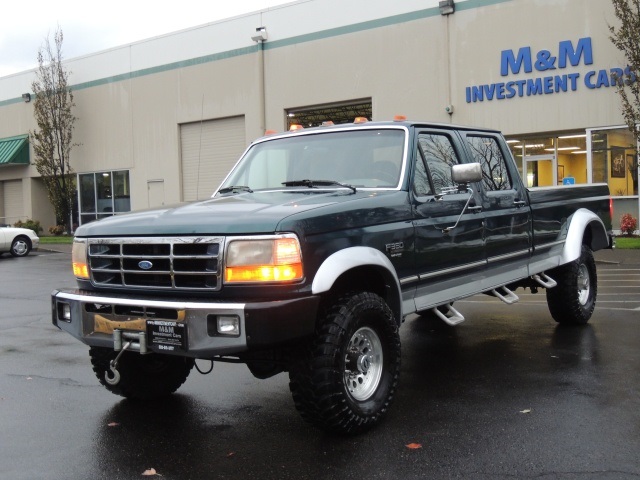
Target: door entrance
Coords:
[[540, 170]]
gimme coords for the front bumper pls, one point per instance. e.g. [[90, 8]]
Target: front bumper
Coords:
[[93, 318]]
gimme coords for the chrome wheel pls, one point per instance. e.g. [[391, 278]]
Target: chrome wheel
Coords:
[[363, 364], [346, 380], [584, 284]]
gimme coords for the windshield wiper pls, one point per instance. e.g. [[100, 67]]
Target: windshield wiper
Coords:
[[317, 183], [235, 189]]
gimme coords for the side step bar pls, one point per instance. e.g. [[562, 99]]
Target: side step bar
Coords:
[[545, 280], [507, 296], [455, 316]]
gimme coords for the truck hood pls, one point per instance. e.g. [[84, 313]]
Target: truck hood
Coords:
[[245, 213]]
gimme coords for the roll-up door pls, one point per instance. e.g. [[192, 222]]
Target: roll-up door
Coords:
[[12, 200], [209, 150]]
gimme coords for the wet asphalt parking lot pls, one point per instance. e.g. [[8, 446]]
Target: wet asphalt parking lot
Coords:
[[506, 394]]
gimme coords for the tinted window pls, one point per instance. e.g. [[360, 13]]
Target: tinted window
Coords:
[[421, 184], [487, 152], [439, 156]]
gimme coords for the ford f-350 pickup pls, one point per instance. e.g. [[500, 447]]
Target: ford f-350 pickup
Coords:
[[314, 250]]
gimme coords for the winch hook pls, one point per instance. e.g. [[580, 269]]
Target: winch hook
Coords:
[[114, 379]]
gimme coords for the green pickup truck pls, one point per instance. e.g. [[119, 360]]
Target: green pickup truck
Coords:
[[314, 250]]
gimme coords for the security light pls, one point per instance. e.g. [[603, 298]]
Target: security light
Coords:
[[261, 34], [447, 7]]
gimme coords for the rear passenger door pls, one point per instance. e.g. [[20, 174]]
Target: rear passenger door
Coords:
[[507, 217], [448, 263]]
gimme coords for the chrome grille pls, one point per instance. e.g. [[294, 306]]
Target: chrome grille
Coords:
[[156, 263]]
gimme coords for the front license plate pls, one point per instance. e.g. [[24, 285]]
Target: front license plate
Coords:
[[167, 335]]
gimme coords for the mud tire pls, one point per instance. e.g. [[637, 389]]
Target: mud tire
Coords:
[[346, 378], [573, 300]]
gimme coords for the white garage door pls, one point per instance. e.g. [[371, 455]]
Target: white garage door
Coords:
[[209, 150], [12, 200]]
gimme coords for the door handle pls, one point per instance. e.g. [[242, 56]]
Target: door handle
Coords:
[[475, 208], [519, 203]]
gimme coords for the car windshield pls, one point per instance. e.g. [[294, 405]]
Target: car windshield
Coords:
[[363, 158]]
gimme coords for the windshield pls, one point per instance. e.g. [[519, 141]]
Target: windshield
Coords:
[[366, 158]]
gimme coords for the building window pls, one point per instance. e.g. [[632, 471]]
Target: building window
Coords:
[[337, 113], [103, 194], [614, 160], [544, 161]]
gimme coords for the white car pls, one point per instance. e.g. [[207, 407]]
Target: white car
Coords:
[[17, 241]]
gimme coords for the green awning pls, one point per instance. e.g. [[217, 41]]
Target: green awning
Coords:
[[14, 150]]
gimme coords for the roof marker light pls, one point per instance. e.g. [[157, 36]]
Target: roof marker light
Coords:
[[400, 118], [270, 132], [327, 123], [295, 126], [360, 120]]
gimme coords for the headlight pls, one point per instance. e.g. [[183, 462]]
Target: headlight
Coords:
[[79, 259], [274, 259]]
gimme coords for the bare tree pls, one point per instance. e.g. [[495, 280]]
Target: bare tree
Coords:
[[52, 140]]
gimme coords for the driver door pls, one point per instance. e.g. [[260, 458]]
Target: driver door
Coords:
[[449, 263]]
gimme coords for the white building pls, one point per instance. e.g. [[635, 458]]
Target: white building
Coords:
[[161, 121]]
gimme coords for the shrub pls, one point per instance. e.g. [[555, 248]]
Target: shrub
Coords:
[[628, 224], [56, 230], [30, 224]]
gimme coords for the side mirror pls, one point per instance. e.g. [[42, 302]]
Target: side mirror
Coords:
[[466, 173]]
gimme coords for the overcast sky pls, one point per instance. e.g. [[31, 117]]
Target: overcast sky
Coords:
[[90, 26]]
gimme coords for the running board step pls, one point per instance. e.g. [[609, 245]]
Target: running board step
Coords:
[[455, 318], [507, 296], [545, 280]]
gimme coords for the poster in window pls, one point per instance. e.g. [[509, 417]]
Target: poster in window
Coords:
[[617, 163]]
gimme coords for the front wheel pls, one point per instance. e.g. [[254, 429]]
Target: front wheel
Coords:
[[140, 376], [347, 378], [20, 247], [573, 300]]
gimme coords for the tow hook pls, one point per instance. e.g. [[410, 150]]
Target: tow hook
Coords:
[[115, 378], [112, 377]]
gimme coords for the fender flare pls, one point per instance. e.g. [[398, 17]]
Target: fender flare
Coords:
[[347, 259], [581, 221]]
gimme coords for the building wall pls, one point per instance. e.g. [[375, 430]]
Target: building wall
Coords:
[[405, 56], [479, 35]]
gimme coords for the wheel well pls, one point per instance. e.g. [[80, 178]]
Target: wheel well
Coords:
[[372, 279], [595, 237]]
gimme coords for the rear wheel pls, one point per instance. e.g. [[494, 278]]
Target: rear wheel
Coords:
[[140, 376], [573, 300], [347, 377]]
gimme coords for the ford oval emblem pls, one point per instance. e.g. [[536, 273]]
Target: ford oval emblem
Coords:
[[145, 265]]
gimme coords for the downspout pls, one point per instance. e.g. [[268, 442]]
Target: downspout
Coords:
[[260, 37]]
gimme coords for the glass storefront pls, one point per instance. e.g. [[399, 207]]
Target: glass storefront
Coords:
[[596, 155], [614, 160], [544, 161], [103, 194]]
